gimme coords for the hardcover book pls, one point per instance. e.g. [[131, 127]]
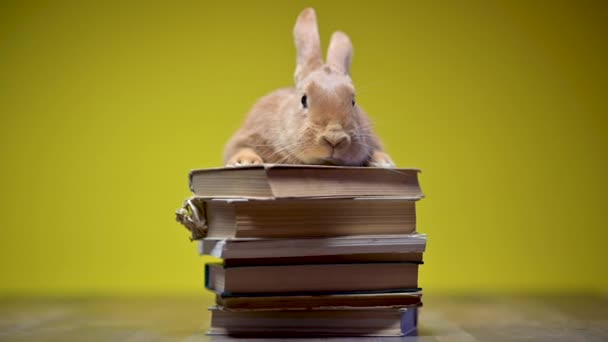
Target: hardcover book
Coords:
[[368, 277], [308, 218], [338, 322], [370, 248], [271, 181]]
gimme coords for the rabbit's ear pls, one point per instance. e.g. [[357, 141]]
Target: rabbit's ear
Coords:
[[340, 52], [308, 44]]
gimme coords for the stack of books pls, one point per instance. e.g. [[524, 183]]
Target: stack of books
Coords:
[[309, 250]]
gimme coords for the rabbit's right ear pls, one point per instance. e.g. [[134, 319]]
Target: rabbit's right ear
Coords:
[[308, 44]]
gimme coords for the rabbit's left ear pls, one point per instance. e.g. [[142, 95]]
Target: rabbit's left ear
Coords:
[[340, 52]]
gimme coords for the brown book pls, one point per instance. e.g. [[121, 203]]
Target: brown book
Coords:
[[333, 301], [272, 181], [312, 279], [310, 218], [296, 323], [349, 249]]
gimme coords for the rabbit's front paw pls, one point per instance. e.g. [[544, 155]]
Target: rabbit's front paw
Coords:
[[245, 156], [381, 159]]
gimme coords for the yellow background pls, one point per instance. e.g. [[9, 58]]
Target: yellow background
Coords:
[[106, 105]]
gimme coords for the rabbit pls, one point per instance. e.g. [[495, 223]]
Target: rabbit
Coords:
[[318, 122]]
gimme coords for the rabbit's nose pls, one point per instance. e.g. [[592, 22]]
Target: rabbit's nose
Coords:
[[336, 140]]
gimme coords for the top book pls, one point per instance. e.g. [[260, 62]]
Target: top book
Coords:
[[271, 181]]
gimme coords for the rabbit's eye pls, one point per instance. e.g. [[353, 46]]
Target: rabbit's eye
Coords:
[[353, 101], [304, 101]]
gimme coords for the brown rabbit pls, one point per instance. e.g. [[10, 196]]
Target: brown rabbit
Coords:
[[318, 121]]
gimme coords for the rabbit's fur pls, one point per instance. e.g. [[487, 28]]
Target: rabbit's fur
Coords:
[[318, 121]]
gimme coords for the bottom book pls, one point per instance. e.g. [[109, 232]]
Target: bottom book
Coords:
[[339, 322]]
